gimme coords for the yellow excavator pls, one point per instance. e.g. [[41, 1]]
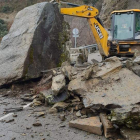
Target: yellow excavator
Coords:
[[121, 39]]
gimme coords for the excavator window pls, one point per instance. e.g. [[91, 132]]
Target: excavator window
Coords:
[[137, 22], [123, 26]]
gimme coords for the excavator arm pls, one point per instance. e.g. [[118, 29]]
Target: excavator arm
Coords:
[[91, 13]]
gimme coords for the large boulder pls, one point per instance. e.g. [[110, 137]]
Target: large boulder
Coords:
[[32, 42]]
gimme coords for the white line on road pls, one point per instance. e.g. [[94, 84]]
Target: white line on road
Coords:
[[7, 115], [27, 105]]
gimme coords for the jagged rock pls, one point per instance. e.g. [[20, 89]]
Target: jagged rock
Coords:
[[113, 88], [51, 99], [88, 73], [127, 115], [129, 64], [58, 84], [94, 61], [31, 44], [109, 130], [45, 80], [69, 71], [122, 96], [78, 114], [136, 70], [62, 117], [40, 114], [79, 84], [137, 60], [61, 106], [37, 103], [130, 134], [52, 110], [91, 125], [111, 65]]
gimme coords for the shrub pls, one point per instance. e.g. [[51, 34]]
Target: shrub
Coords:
[[6, 9], [3, 28]]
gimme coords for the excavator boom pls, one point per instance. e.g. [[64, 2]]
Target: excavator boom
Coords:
[[91, 13]]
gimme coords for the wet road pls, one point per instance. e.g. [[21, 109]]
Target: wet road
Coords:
[[52, 127]]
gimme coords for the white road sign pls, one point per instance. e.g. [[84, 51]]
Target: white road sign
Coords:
[[75, 31]]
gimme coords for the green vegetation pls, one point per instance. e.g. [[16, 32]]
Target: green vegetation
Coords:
[[3, 28], [63, 38], [6, 9], [8, 6]]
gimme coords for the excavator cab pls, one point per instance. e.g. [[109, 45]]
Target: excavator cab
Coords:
[[125, 30]]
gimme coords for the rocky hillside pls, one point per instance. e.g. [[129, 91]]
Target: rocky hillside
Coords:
[[8, 10]]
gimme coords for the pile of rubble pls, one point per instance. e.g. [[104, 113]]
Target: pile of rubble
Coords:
[[103, 97]]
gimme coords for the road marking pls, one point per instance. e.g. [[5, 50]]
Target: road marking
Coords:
[[27, 105], [6, 116], [10, 114]]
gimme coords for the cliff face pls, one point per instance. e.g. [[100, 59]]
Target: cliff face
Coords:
[[86, 37]]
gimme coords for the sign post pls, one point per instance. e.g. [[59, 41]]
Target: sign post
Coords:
[[75, 35]]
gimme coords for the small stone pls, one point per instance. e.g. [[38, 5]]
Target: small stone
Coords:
[[52, 110], [37, 124], [62, 126], [36, 102], [84, 116], [40, 114], [41, 134], [84, 111], [14, 115], [23, 134], [13, 139], [104, 95], [48, 134], [61, 106], [11, 120], [28, 128], [78, 114], [79, 107], [62, 117]]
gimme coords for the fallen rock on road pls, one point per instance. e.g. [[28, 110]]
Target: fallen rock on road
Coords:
[[31, 44], [92, 125]]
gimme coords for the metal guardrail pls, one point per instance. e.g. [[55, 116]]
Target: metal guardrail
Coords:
[[88, 47]]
